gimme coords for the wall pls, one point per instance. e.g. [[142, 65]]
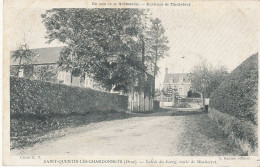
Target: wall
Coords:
[[27, 96], [141, 96]]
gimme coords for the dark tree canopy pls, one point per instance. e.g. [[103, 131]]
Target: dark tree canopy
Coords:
[[107, 44], [101, 42]]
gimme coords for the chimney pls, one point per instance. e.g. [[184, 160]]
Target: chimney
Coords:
[[166, 70]]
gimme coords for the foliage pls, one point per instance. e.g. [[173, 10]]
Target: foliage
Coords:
[[242, 132], [108, 44], [13, 70], [38, 97], [192, 94], [45, 72], [238, 94], [28, 71], [205, 79], [102, 42], [182, 105], [156, 44], [23, 54]]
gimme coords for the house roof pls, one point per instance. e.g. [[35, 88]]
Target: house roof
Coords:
[[51, 55], [43, 56], [176, 77]]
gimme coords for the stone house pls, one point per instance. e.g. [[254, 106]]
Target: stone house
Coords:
[[179, 85], [178, 81], [140, 98], [46, 60]]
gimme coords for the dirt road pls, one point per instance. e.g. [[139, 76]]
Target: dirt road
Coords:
[[158, 134]]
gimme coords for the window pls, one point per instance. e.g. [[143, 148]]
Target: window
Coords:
[[181, 79]]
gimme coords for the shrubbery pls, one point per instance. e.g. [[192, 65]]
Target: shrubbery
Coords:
[[37, 97], [38, 108], [237, 95], [234, 105]]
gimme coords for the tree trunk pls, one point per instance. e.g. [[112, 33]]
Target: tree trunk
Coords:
[[156, 50], [202, 99], [143, 49], [155, 64], [71, 76]]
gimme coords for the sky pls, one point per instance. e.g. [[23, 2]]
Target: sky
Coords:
[[222, 36]]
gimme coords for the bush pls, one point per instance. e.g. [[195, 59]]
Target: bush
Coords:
[[38, 97], [237, 95], [182, 105], [233, 105], [242, 133]]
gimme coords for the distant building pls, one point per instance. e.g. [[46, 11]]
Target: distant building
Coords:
[[175, 87], [181, 82]]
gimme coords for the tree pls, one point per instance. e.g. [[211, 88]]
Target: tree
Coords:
[[192, 94], [105, 43], [157, 43], [24, 55], [45, 72], [205, 78]]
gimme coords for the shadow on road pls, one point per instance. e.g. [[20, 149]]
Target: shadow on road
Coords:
[[169, 111], [182, 113]]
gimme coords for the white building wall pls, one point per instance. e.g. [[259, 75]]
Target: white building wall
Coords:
[[75, 81], [146, 103], [67, 78], [64, 77]]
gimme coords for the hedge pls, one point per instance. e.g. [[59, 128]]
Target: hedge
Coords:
[[38, 97], [237, 95]]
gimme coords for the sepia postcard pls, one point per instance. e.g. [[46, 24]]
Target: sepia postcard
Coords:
[[130, 83]]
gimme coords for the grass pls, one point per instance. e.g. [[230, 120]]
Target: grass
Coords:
[[29, 129], [242, 132], [202, 137]]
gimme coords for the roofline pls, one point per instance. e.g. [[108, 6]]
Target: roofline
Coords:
[[41, 48], [48, 47], [34, 64]]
